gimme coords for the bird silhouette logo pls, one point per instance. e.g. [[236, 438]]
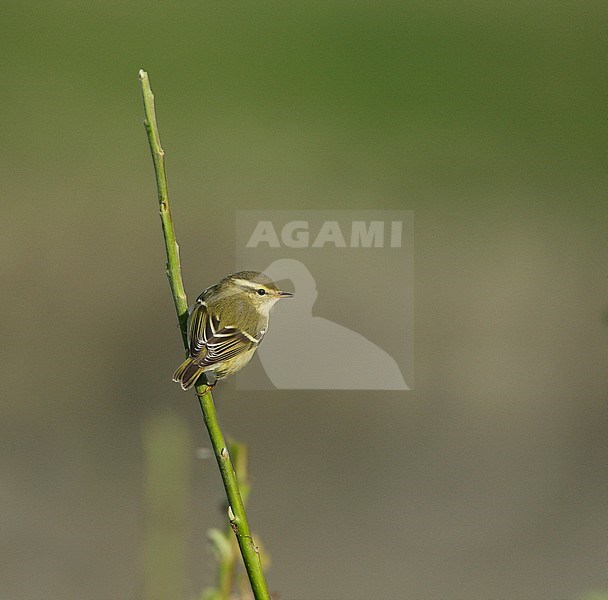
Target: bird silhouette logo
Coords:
[[303, 351]]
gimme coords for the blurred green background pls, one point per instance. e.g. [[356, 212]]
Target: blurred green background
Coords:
[[488, 481]]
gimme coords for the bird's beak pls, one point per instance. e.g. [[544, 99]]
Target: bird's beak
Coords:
[[284, 294]]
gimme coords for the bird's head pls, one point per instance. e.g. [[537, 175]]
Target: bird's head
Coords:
[[259, 289]]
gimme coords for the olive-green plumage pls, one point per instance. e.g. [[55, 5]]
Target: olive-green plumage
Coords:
[[225, 326]]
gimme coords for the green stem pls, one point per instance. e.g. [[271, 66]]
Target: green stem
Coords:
[[173, 270], [226, 572], [236, 510]]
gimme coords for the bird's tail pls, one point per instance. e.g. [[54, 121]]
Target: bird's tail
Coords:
[[187, 373]]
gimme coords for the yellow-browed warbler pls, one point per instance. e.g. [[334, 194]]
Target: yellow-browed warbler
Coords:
[[225, 326]]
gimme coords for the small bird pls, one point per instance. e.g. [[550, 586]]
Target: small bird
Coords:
[[225, 326]]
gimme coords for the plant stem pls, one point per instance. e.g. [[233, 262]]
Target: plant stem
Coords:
[[236, 510], [173, 270], [168, 461], [226, 570]]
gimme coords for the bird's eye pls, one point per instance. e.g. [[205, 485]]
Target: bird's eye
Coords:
[[261, 291]]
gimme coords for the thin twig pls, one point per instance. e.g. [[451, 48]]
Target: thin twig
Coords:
[[227, 563], [236, 510]]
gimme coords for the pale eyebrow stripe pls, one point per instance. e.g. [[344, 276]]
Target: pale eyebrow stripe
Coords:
[[249, 284]]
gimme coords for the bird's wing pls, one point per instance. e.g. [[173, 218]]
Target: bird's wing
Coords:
[[212, 342]]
